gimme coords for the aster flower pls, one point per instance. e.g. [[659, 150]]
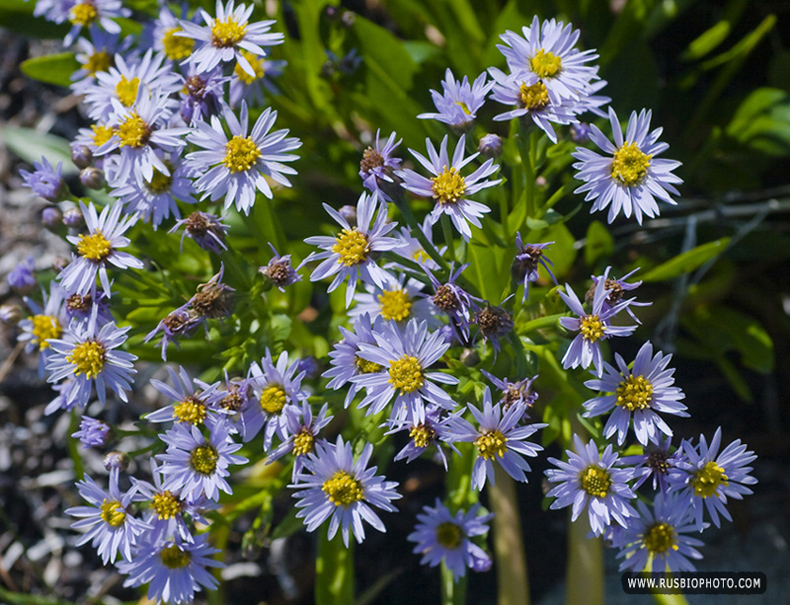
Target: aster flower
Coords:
[[443, 537], [407, 356], [80, 308], [513, 393], [592, 327], [302, 428], [246, 87], [164, 38], [87, 13], [180, 322], [430, 432], [378, 167], [46, 181], [411, 248], [110, 524], [97, 55], [399, 301], [87, 353], [593, 481], [548, 52], [97, 249], [92, 433], [459, 103], [500, 437], [630, 179], [21, 277], [616, 290], [279, 271], [196, 465], [176, 569], [656, 538], [193, 401], [526, 262], [345, 360], [642, 392], [276, 388], [448, 188], [237, 166], [333, 486], [494, 323], [452, 300], [206, 229], [351, 253], [706, 478], [532, 100], [224, 37], [203, 93], [657, 461]]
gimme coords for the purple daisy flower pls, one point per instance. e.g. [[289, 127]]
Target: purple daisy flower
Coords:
[[92, 433], [378, 167], [198, 466], [656, 537], [97, 56], [448, 188], [443, 537], [345, 360], [223, 38], [46, 181], [526, 262], [593, 481], [236, 167], [592, 327], [350, 254], [245, 87], [455, 302], [163, 39], [110, 524], [93, 13], [302, 428], [499, 436], [399, 301], [44, 323], [616, 290], [706, 478], [87, 354], [279, 271], [513, 393], [206, 229], [407, 355], [193, 401], [181, 322], [657, 461], [630, 178], [459, 103], [176, 569], [641, 392], [333, 486], [431, 431], [97, 249], [21, 277], [203, 93]]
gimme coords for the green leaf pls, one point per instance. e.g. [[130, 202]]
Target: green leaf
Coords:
[[52, 69], [708, 41], [31, 145], [17, 16], [598, 244], [688, 261], [486, 270], [762, 122], [745, 334]]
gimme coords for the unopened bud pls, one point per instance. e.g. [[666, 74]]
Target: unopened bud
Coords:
[[490, 146], [92, 178], [116, 459]]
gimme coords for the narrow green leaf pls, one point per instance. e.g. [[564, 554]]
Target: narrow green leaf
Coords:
[[31, 145], [688, 261], [52, 69]]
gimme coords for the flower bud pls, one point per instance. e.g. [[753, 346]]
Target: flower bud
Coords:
[[490, 146]]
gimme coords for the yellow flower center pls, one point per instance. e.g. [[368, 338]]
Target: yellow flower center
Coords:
[[98, 61], [112, 513], [659, 538], [448, 187], [449, 535], [126, 90], [630, 164], [227, 33], [596, 481], [83, 14], [94, 247], [351, 246], [394, 304], [343, 489], [708, 479], [491, 444], [422, 435], [134, 132], [176, 47], [545, 64], [173, 557], [365, 366], [101, 134], [591, 328], [273, 399], [88, 358], [634, 393], [160, 182], [420, 256], [166, 505], [44, 327], [257, 66], [204, 459], [303, 442], [241, 154], [406, 374], [464, 107], [534, 97], [191, 410]]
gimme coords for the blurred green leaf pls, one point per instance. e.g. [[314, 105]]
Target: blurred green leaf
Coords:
[[711, 38], [52, 69], [599, 243], [31, 145], [688, 261], [17, 16], [487, 270], [743, 333], [762, 122]]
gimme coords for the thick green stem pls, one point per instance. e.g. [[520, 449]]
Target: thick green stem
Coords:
[[334, 570], [453, 593], [511, 562], [447, 232]]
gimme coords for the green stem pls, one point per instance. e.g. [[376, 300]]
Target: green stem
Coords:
[[417, 232], [453, 593], [447, 232], [511, 562], [334, 570], [503, 211]]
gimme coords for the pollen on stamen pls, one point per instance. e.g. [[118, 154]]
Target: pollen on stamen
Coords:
[[534, 97], [241, 154], [630, 164], [83, 14], [596, 481], [351, 246], [448, 187], [176, 47], [634, 393], [406, 374], [227, 33], [94, 247], [491, 445], [591, 328], [545, 64], [126, 90], [87, 358], [257, 66], [394, 304]]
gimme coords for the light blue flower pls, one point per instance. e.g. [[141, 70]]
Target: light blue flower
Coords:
[[459, 103]]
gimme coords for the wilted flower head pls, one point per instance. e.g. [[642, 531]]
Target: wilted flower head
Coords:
[[279, 271], [206, 229], [21, 277], [525, 264], [378, 167], [213, 299]]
